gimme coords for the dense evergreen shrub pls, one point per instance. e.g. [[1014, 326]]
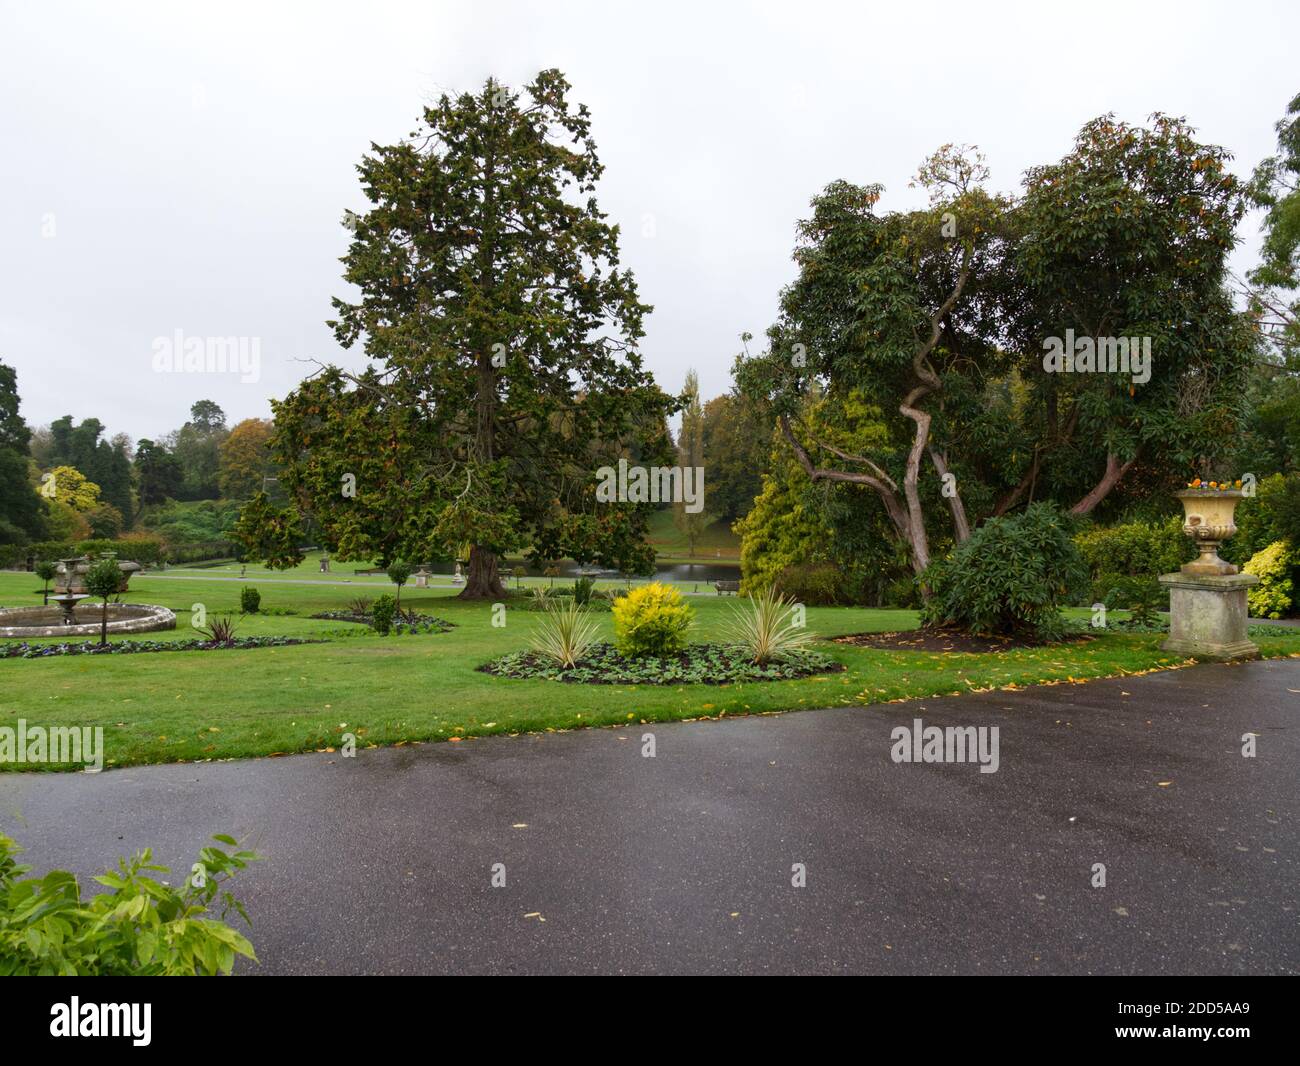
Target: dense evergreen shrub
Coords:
[[812, 584], [1135, 548], [1010, 578], [382, 614]]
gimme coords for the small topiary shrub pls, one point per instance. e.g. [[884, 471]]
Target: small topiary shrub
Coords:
[[582, 590], [1272, 597], [104, 579], [399, 573], [651, 620], [1010, 578], [382, 614], [250, 600], [47, 572]]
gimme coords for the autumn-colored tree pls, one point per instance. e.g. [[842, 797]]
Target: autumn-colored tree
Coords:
[[245, 459], [70, 486]]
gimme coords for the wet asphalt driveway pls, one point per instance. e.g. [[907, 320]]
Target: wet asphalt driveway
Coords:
[[617, 863]]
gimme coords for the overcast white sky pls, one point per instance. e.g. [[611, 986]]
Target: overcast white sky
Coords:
[[185, 165]]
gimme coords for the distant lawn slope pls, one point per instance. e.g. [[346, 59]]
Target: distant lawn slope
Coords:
[[669, 542]]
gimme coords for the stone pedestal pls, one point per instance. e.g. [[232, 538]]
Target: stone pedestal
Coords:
[[1208, 615]]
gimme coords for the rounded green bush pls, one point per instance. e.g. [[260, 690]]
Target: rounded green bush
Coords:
[[651, 620], [1272, 597], [1009, 578]]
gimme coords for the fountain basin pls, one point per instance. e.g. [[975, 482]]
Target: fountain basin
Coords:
[[28, 622]]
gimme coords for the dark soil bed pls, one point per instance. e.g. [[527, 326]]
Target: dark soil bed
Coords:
[[699, 664], [943, 640]]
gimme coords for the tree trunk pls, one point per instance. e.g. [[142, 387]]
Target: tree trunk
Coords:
[[920, 542], [960, 523], [1111, 478], [483, 582], [103, 623]]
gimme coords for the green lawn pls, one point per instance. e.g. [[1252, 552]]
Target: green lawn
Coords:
[[717, 542], [178, 706]]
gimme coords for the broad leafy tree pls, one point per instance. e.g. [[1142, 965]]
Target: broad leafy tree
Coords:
[[1127, 236], [889, 306], [943, 317], [502, 335], [197, 448]]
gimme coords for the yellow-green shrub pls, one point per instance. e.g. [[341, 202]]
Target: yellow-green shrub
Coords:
[[1271, 598], [651, 620]]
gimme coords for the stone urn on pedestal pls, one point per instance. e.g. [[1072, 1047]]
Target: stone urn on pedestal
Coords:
[[1207, 597]]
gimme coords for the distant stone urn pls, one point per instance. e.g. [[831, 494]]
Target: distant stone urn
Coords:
[[1208, 520]]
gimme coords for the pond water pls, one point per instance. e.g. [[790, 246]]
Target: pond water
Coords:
[[680, 573]]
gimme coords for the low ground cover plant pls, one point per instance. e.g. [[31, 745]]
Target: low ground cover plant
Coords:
[[696, 664], [24, 650]]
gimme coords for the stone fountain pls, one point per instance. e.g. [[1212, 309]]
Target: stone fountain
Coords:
[[70, 590], [1208, 613]]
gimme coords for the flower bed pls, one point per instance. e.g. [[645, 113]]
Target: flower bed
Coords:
[[406, 622], [699, 664], [23, 650]]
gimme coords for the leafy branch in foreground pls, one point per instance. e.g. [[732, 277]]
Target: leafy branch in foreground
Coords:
[[141, 927]]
